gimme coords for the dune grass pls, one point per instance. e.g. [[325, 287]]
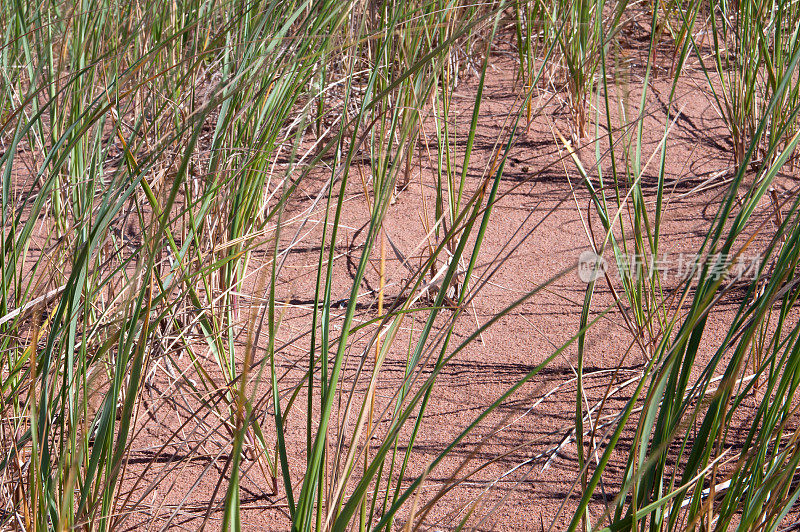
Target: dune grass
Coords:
[[161, 160]]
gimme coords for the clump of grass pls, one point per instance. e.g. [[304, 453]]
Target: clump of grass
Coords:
[[676, 405], [752, 47], [581, 29]]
